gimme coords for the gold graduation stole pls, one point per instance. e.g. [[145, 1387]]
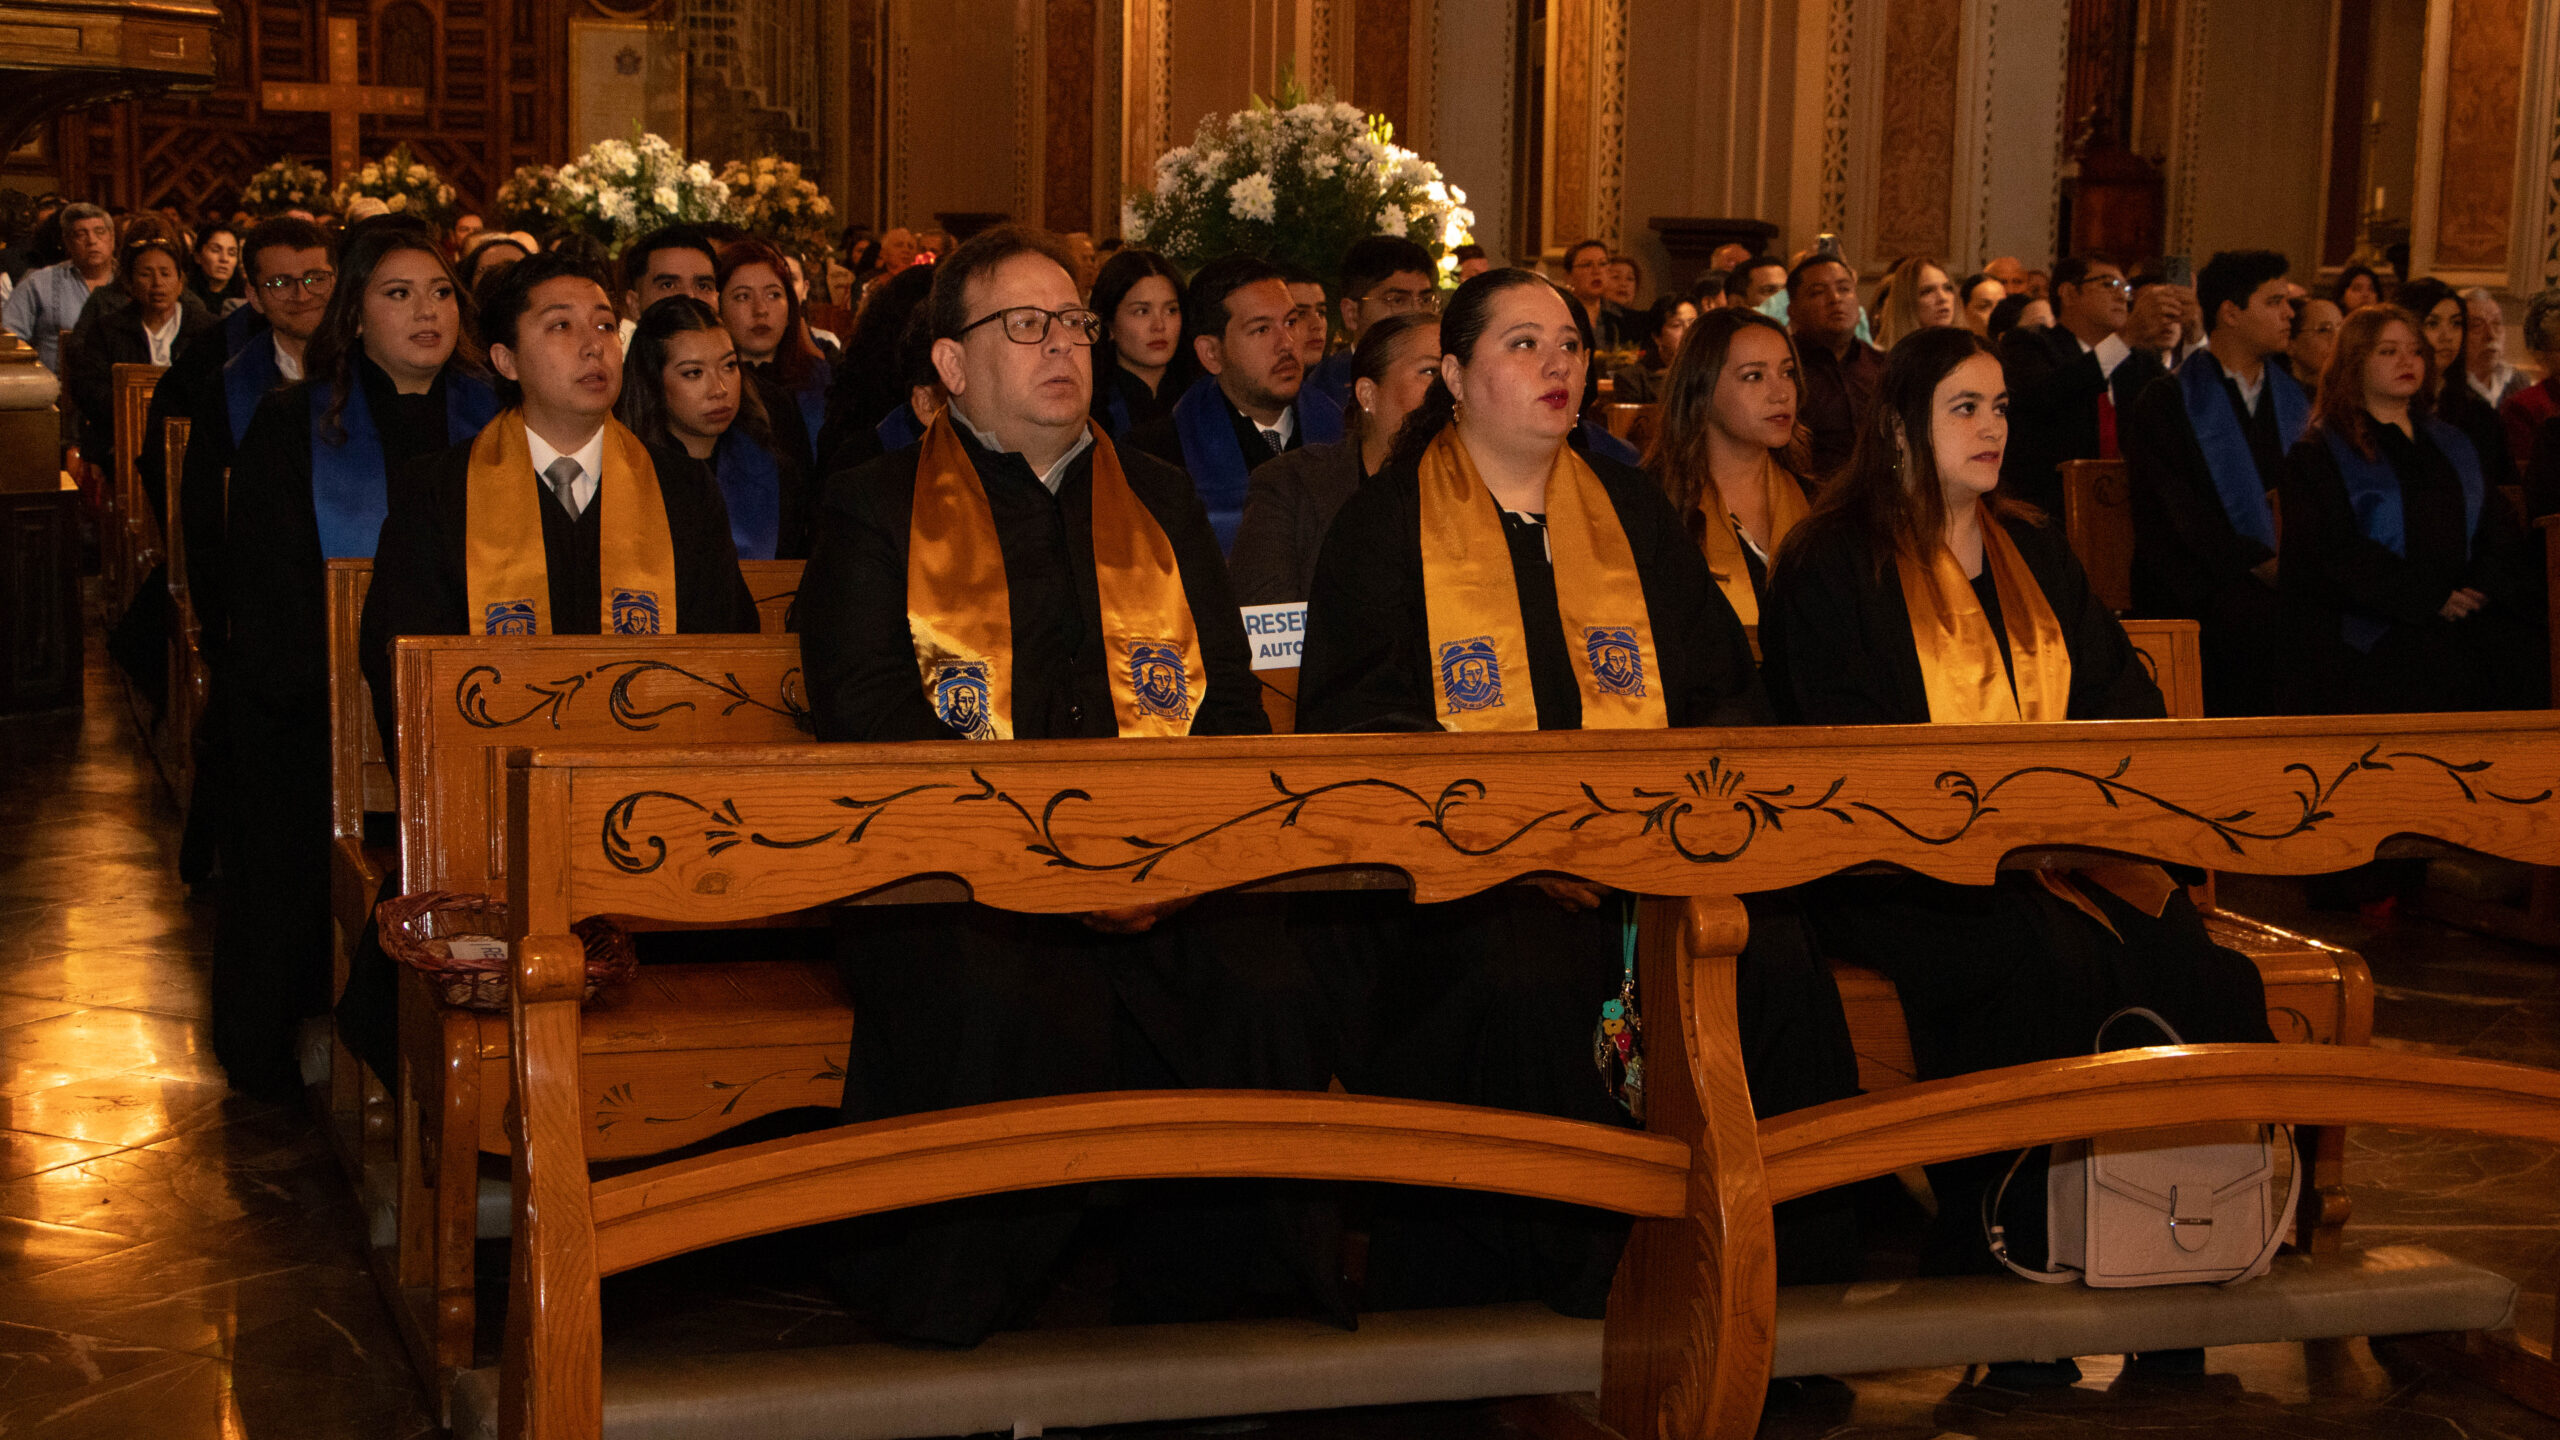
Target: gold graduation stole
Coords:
[[506, 574], [1480, 654], [1960, 669], [1723, 546], [959, 610]]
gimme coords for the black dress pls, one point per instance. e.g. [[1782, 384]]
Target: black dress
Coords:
[[1998, 974], [1492, 999], [2498, 658], [271, 947], [1012, 1006]]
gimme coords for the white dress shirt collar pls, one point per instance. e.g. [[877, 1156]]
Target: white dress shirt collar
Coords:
[[590, 458]]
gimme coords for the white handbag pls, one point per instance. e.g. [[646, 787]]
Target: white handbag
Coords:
[[2177, 1205]]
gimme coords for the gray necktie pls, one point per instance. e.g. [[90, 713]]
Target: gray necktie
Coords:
[[1273, 438], [562, 476]]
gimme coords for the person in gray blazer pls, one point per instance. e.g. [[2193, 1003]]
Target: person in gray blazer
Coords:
[[1292, 498]]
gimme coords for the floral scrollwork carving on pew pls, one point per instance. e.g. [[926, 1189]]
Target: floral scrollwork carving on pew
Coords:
[[483, 688], [1715, 795]]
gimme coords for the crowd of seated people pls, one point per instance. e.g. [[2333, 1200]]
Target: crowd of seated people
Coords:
[[1845, 511]]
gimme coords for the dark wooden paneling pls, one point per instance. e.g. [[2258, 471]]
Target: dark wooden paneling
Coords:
[[1067, 149]]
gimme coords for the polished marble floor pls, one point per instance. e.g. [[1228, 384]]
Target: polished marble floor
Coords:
[[179, 1263]]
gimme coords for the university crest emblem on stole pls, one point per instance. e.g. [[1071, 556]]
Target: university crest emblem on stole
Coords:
[[1617, 662], [635, 612], [507, 617], [1471, 674], [1161, 680], [960, 698]]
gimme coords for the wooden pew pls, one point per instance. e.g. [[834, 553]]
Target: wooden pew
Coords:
[[1634, 424], [129, 541], [680, 1053], [774, 584], [190, 683], [1696, 1326], [2097, 516]]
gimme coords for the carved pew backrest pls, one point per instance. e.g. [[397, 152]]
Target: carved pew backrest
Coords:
[[359, 779], [1634, 424], [464, 701], [2097, 517], [2173, 652], [134, 543], [775, 584]]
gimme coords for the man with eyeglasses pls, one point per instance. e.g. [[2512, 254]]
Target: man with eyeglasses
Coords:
[[1014, 575], [1838, 371], [2068, 385], [1381, 276], [1252, 404]]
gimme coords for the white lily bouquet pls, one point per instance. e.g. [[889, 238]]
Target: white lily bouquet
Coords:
[[401, 181], [286, 184], [1296, 183], [620, 190]]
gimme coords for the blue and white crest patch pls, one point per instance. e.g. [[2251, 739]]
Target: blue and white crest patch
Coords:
[[1471, 674], [1617, 661]]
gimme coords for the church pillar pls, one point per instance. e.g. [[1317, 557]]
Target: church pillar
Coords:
[[1586, 108], [2482, 197], [1466, 74]]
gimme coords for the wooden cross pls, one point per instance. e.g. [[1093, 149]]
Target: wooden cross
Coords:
[[344, 100]]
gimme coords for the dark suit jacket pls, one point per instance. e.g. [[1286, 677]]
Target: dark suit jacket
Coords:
[[1287, 509], [1162, 437], [2054, 387], [117, 339]]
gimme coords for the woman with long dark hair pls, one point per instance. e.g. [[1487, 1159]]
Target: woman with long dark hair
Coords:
[[761, 309], [1138, 369], [1727, 449], [2444, 322], [1493, 577], [2390, 516], [391, 377], [872, 383], [683, 388], [1914, 593], [1666, 325], [1290, 501]]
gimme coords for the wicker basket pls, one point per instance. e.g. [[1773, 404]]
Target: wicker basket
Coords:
[[417, 930]]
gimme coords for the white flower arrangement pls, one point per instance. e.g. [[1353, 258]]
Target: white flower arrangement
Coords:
[[402, 182], [286, 184], [620, 190], [1296, 182], [775, 202], [524, 200]]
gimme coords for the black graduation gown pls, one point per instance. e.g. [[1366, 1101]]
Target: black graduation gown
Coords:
[[421, 585], [1013, 1006], [2054, 387], [2496, 659], [1492, 999], [1122, 402], [1998, 974], [2267, 650], [791, 435], [271, 948], [1162, 436]]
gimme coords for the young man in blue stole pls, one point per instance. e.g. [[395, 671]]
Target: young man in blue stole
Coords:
[[1253, 403], [1013, 574], [2202, 447]]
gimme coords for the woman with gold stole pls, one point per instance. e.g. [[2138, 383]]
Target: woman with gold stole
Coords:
[[1913, 594], [391, 376], [1493, 577], [1015, 575], [1728, 452]]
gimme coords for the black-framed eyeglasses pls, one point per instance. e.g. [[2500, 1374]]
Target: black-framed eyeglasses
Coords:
[[311, 281], [1029, 324]]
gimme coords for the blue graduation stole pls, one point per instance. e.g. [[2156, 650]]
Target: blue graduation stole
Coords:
[[239, 328], [1596, 440], [2373, 491], [246, 379], [751, 482], [1216, 461], [898, 429], [2226, 445], [351, 483], [1115, 408], [811, 397], [1332, 377]]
